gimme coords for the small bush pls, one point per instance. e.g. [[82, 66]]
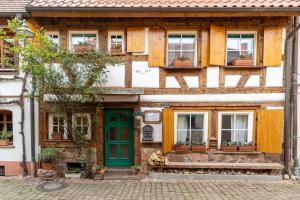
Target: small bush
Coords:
[[48, 155]]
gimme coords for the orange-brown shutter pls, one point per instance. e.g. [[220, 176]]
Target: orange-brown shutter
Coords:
[[156, 57], [272, 46], [168, 130], [217, 45], [136, 39], [269, 131], [205, 48]]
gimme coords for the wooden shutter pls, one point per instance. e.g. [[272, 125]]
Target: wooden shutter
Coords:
[[205, 48], [136, 39], [217, 45], [272, 46], [168, 130], [156, 57], [269, 131]]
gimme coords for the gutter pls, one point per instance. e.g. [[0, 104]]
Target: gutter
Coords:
[[11, 14], [32, 128], [168, 9]]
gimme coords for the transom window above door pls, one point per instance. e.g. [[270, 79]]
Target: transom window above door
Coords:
[[235, 128], [181, 49], [190, 127], [240, 49], [116, 42], [83, 42]]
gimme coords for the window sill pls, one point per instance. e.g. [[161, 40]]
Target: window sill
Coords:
[[10, 146], [117, 54], [243, 67], [9, 72], [182, 68]]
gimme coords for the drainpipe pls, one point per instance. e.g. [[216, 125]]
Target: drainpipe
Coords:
[[294, 101], [287, 110], [32, 120]]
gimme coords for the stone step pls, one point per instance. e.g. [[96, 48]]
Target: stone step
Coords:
[[121, 177], [117, 171]]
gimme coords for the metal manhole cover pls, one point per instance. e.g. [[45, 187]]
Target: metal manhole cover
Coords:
[[51, 186]]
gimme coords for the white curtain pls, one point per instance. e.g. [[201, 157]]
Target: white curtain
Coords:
[[241, 123], [182, 128]]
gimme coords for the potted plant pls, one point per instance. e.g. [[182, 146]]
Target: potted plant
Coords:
[[182, 61], [100, 171], [229, 147], [4, 137], [82, 47], [198, 146], [135, 169], [47, 157], [243, 61], [246, 147], [57, 136], [181, 147], [116, 48]]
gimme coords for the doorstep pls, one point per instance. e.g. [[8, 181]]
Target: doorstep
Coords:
[[171, 176]]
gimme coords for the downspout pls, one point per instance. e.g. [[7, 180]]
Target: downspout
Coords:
[[287, 110], [294, 101], [32, 120]]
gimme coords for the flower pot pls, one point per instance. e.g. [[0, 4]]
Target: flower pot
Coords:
[[80, 48], [243, 62], [246, 148], [182, 148], [115, 50], [57, 136], [134, 171], [48, 166], [182, 63], [198, 148], [4, 142], [227, 148]]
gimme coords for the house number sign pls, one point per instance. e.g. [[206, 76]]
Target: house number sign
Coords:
[[152, 117]]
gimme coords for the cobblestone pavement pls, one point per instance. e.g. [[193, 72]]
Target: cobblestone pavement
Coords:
[[17, 188]]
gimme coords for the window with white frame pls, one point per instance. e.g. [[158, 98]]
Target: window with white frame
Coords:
[[190, 127], [235, 127], [54, 37], [116, 41], [82, 123], [57, 125], [181, 51], [6, 125], [81, 42], [240, 48]]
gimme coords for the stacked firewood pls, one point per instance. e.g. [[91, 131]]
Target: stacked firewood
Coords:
[[158, 159]]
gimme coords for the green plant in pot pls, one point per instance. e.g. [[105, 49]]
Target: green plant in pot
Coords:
[[246, 147], [229, 146], [198, 146], [182, 147], [135, 169], [5, 136], [116, 48], [47, 157]]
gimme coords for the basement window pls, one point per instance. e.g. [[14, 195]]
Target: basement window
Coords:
[[2, 171], [235, 127], [240, 49]]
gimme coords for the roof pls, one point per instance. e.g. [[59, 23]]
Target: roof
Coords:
[[10, 7], [162, 4]]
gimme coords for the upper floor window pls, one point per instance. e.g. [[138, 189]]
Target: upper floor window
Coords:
[[235, 127], [7, 57], [54, 37], [190, 127], [6, 125], [116, 42], [240, 49], [81, 42], [181, 49]]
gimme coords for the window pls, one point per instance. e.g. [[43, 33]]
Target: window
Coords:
[[116, 42], [235, 127], [82, 123], [8, 58], [240, 49], [54, 37], [190, 127], [57, 125], [6, 124], [83, 42], [181, 49]]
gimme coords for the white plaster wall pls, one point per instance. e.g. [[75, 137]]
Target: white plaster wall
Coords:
[[10, 87], [171, 82], [157, 128], [253, 81], [115, 76], [274, 77], [144, 76], [192, 81], [212, 77], [232, 80]]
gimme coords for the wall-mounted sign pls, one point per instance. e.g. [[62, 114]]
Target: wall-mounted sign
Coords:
[[147, 133], [152, 117]]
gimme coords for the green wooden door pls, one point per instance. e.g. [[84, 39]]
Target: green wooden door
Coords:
[[118, 137]]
